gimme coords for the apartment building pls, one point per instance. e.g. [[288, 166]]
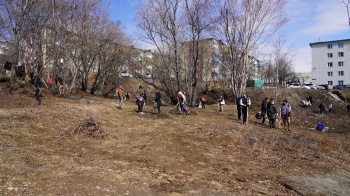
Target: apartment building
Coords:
[[208, 62], [330, 62]]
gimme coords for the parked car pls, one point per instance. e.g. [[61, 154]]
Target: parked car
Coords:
[[297, 85], [320, 87], [326, 86], [339, 86], [148, 75], [125, 74], [312, 86]]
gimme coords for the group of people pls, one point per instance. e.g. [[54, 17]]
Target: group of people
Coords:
[[141, 98], [269, 111], [322, 108]]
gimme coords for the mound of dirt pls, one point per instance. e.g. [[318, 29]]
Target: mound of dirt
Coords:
[[90, 127]]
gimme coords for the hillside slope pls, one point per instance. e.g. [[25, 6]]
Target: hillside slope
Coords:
[[86, 146]]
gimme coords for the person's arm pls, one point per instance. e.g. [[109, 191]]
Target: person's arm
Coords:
[[240, 102]]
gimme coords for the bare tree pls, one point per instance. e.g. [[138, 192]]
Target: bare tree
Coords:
[[159, 21], [346, 4], [244, 25], [14, 17], [282, 60], [197, 21], [112, 54]]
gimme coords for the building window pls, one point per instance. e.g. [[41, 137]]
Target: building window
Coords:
[[340, 45], [341, 73], [329, 46], [341, 64], [330, 73], [340, 82], [341, 54], [330, 82], [330, 64], [330, 55]]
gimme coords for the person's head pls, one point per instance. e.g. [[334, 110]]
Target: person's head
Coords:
[[285, 101], [272, 100], [244, 94], [266, 98], [140, 87]]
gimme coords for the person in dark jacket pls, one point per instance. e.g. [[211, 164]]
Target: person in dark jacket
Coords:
[[145, 96], [272, 113], [245, 103], [264, 110], [158, 100], [38, 84], [309, 98], [239, 108], [321, 106], [348, 107]]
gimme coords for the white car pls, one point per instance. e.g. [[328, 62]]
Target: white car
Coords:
[[312, 86], [125, 74], [297, 85], [148, 75], [320, 87]]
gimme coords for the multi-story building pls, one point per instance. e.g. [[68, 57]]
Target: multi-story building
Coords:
[[331, 62], [208, 62]]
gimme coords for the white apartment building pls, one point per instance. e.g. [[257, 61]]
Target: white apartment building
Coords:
[[331, 62]]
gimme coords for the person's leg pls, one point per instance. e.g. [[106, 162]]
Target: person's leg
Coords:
[[239, 110], [158, 109], [263, 118], [273, 123], [244, 113], [120, 103]]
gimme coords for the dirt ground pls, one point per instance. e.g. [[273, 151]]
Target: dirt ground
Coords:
[[84, 145]]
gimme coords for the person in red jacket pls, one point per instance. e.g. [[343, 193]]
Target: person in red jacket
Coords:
[[49, 83], [203, 100]]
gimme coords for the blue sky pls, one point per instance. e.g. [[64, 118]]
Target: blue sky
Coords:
[[309, 21]]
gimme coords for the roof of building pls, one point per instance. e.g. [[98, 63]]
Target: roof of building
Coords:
[[329, 41]]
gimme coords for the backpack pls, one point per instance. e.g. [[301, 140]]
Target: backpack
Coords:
[[284, 110], [258, 115]]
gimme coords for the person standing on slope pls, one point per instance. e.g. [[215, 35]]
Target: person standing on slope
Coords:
[[245, 103]]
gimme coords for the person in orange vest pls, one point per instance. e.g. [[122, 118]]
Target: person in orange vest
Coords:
[[50, 82], [203, 102]]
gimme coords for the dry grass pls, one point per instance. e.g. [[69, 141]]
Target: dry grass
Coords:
[[69, 146]]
